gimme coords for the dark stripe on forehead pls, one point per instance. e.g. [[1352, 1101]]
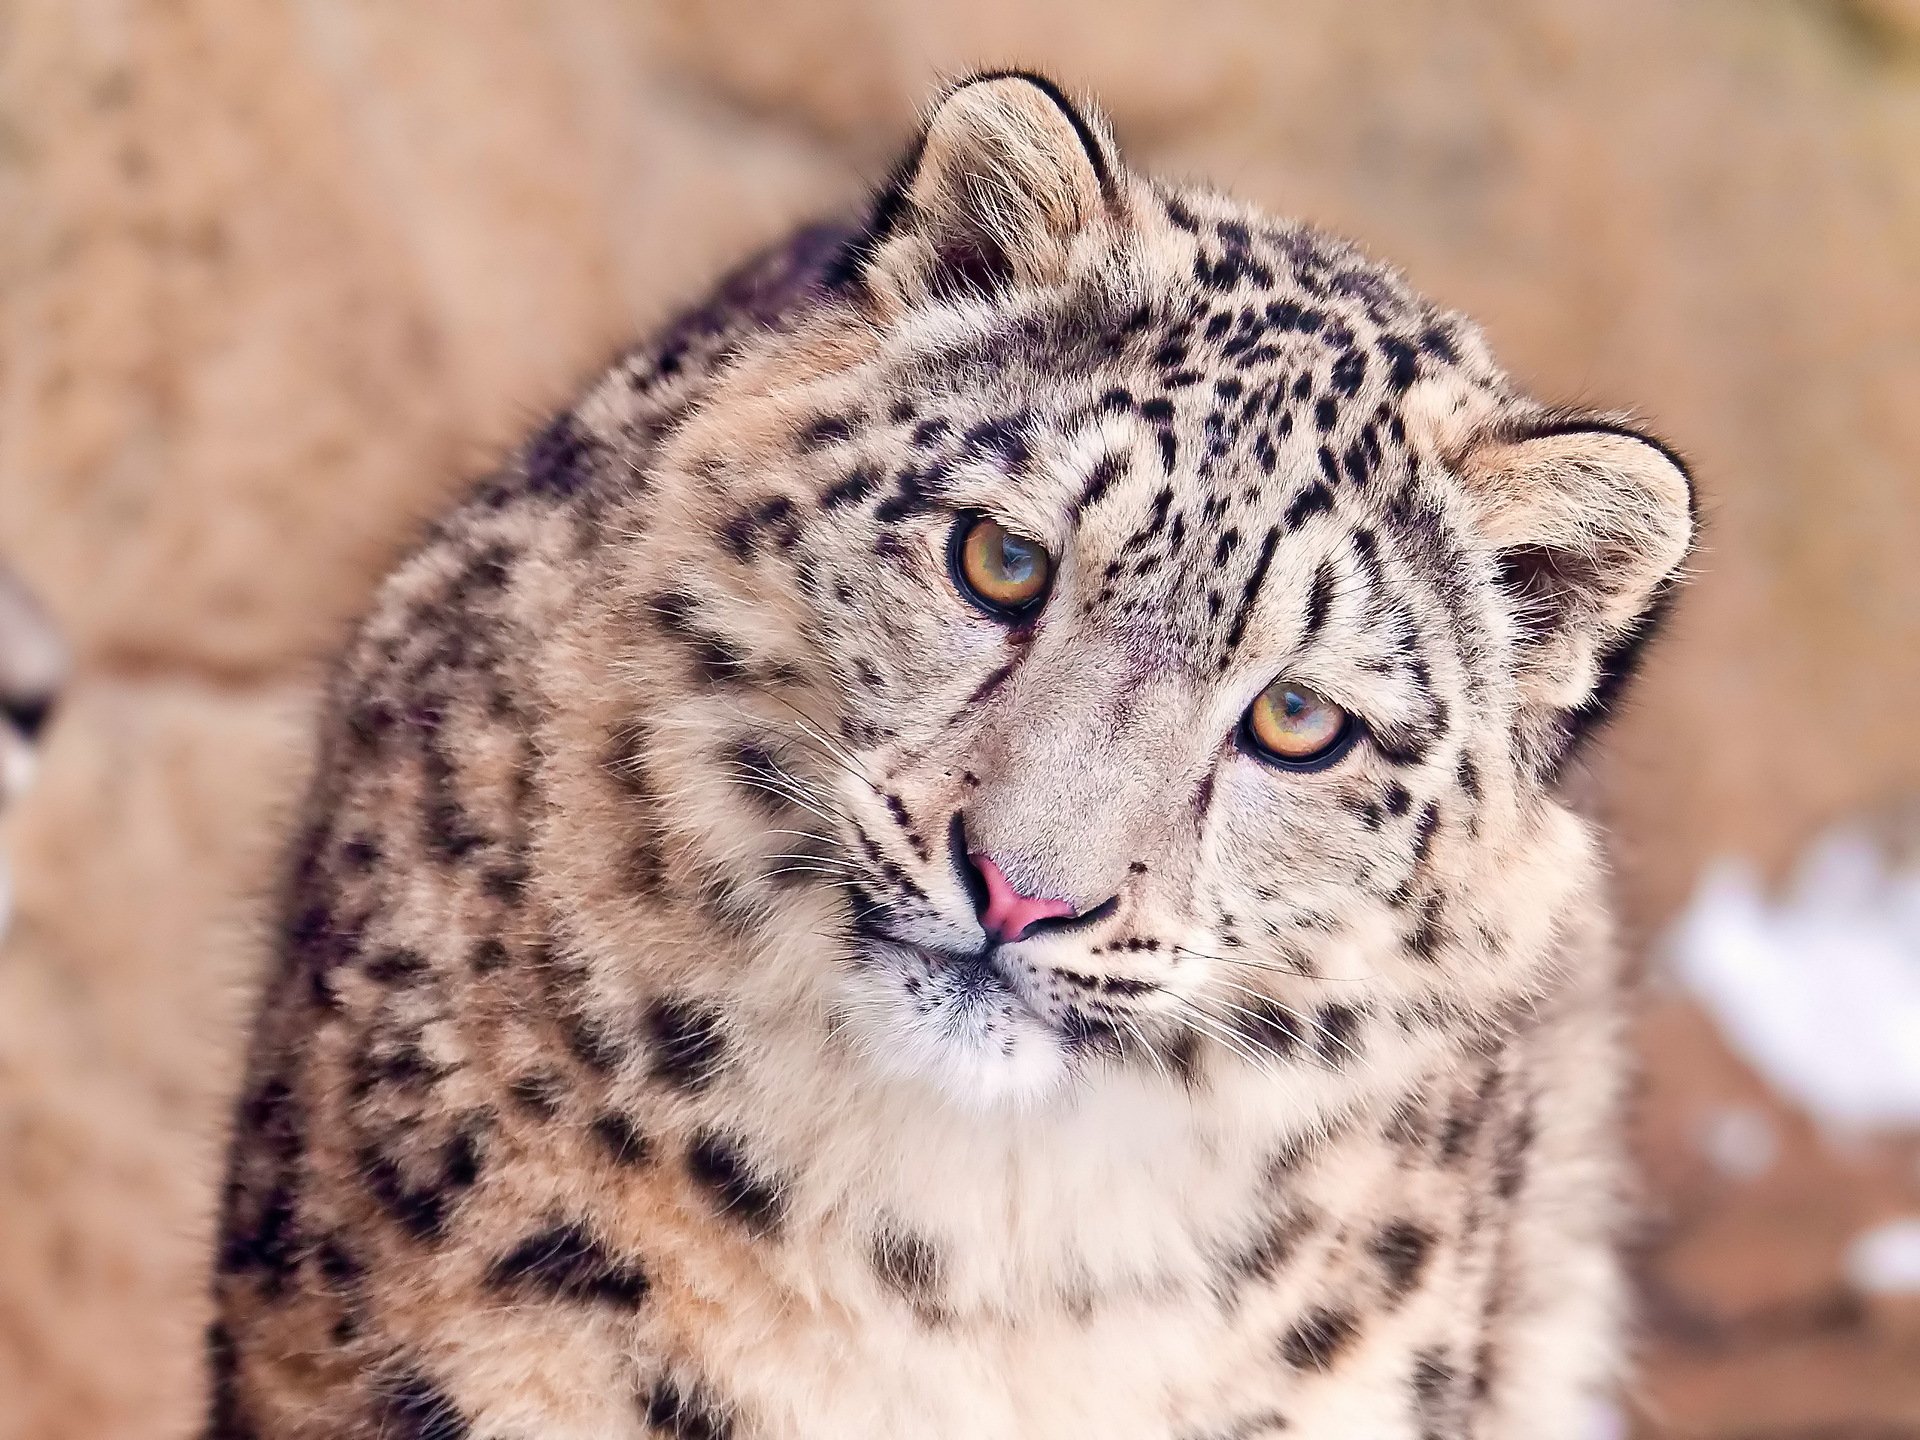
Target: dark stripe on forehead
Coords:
[[1107, 469], [1319, 602], [1251, 590]]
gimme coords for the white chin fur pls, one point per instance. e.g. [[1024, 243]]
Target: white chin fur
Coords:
[[977, 1054]]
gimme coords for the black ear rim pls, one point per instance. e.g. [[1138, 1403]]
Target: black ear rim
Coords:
[[1543, 426], [1623, 659], [1618, 667], [890, 201]]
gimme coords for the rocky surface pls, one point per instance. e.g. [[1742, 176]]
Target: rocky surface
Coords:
[[276, 278]]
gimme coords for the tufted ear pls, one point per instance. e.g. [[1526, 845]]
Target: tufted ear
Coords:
[[1007, 174], [1590, 520]]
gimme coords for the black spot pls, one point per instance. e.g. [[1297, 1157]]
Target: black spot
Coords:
[[689, 1044], [1316, 499], [564, 1262], [539, 1092], [361, 853], [589, 1042], [507, 884], [1320, 1337], [930, 430], [1348, 371], [716, 658], [1402, 1249], [1262, 1257], [1354, 460], [855, 486], [1003, 437], [444, 824], [775, 517], [622, 1140], [1429, 932], [556, 460], [1203, 797], [460, 1158], [911, 495], [271, 1115], [266, 1240], [1334, 1029], [398, 966], [1329, 466], [689, 1414], [1287, 315], [414, 1408], [1181, 217], [1403, 363], [906, 1263], [420, 1205], [756, 773], [1469, 778], [1423, 831], [1271, 1026], [718, 1167], [826, 430]]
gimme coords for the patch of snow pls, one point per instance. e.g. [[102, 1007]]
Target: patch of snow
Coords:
[[1818, 988], [1886, 1259]]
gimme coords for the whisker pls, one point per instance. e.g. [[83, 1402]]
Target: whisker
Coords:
[[1135, 1029], [825, 862], [1317, 1027], [823, 809], [1271, 967], [1243, 1046]]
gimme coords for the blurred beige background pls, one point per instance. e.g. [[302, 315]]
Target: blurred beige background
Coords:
[[275, 276]]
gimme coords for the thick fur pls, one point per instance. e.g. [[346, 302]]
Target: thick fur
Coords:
[[631, 1064]]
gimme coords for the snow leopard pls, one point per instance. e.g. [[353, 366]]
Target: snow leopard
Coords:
[[971, 843]]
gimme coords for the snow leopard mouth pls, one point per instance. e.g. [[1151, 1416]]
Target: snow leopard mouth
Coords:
[[962, 992], [976, 978]]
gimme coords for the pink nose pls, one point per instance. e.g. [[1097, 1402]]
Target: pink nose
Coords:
[[1009, 913]]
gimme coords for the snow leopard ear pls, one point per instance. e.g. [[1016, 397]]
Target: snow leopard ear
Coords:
[[1006, 176], [1590, 520]]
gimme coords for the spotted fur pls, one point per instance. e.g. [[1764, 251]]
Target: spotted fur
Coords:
[[632, 1062]]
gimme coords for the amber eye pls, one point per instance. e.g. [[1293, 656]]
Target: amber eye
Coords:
[[1296, 728], [1002, 573]]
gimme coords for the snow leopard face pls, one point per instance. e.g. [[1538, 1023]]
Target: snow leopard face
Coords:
[[1195, 617]]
